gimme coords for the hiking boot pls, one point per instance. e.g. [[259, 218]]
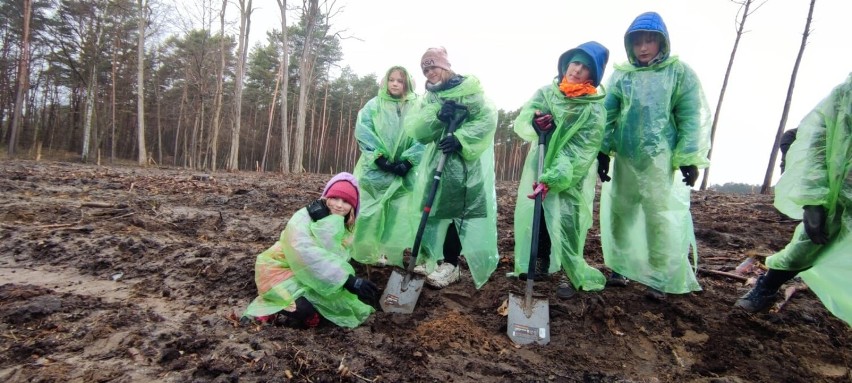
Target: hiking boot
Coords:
[[443, 276], [616, 280], [565, 290], [758, 298], [654, 294]]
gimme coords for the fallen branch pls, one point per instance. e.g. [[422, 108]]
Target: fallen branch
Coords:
[[723, 274], [97, 204]]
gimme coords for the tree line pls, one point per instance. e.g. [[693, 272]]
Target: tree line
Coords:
[[110, 80]]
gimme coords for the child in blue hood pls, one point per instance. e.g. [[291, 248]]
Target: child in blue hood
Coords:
[[658, 125], [572, 108]]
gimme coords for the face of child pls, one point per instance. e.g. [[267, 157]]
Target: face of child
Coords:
[[646, 45], [396, 84], [433, 74], [577, 73], [338, 206]]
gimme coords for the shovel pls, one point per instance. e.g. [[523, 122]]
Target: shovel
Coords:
[[529, 317], [403, 290]]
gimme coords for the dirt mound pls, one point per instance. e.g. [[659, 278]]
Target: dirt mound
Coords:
[[125, 274]]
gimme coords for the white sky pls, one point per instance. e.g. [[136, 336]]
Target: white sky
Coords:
[[512, 47]]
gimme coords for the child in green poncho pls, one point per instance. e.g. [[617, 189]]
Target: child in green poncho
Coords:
[[658, 129], [463, 217], [385, 172], [572, 108], [816, 187], [306, 275]]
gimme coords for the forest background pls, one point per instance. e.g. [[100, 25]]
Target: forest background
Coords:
[[194, 84]]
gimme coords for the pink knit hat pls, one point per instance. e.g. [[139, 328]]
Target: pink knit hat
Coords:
[[345, 191], [435, 57]]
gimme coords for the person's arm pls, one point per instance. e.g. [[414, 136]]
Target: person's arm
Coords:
[[316, 253], [421, 122], [579, 151], [476, 134], [612, 104], [366, 134], [691, 116], [523, 123]]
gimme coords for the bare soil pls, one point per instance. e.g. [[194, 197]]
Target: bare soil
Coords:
[[128, 274]]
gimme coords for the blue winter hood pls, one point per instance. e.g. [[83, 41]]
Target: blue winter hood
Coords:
[[648, 22], [597, 52]]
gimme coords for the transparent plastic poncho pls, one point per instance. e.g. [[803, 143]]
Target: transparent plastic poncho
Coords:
[[466, 195], [658, 120], [571, 151], [819, 172], [387, 221]]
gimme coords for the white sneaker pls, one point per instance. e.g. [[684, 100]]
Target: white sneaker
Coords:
[[420, 269], [443, 276], [382, 261]]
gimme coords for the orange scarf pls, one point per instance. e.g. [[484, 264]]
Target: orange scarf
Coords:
[[572, 90]]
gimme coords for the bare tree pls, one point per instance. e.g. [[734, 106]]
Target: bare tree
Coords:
[[305, 74], [767, 179], [245, 27], [142, 157], [285, 80], [23, 79], [217, 98], [744, 11]]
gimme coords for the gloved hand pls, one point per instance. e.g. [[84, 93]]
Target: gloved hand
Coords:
[[401, 168], [539, 188], [383, 163], [450, 144], [318, 210], [542, 122], [363, 288], [603, 167], [447, 112], [690, 174], [814, 221]]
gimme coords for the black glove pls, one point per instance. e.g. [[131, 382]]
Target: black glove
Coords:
[[383, 163], [814, 220], [318, 210], [365, 290], [450, 144], [690, 174], [447, 112], [401, 168], [603, 167], [543, 122]]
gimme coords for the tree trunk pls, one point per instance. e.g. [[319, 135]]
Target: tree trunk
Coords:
[[271, 114], [744, 8], [23, 80], [220, 80], [305, 71], [245, 24], [285, 83], [142, 157], [180, 121], [767, 179]]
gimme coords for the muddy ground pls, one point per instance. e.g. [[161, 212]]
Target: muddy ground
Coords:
[[125, 274]]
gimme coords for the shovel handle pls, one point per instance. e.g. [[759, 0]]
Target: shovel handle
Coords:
[[536, 226]]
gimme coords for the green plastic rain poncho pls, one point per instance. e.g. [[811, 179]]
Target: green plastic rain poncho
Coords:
[[571, 150], [466, 194], [819, 172], [658, 120], [311, 260], [388, 214]]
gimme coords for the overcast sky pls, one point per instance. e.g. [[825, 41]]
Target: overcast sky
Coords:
[[513, 46]]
